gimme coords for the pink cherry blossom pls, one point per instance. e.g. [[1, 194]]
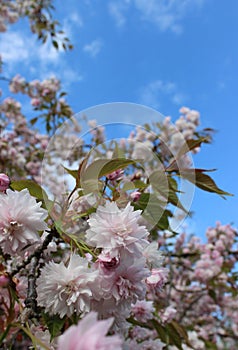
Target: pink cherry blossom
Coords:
[[120, 283], [143, 310], [21, 217], [112, 228], [90, 334], [67, 289], [157, 279]]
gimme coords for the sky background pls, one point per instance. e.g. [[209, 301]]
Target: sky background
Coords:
[[163, 54]]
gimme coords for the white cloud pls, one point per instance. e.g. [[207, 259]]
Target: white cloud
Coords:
[[71, 23], [76, 18], [32, 59], [152, 94], [70, 76], [16, 48], [165, 14], [13, 47], [93, 48], [117, 11]]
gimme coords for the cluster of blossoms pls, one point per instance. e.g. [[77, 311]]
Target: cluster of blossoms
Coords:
[[184, 129], [18, 139], [83, 270], [19, 142], [116, 283], [45, 97], [165, 139], [118, 278], [8, 14], [103, 262], [40, 19], [201, 290]]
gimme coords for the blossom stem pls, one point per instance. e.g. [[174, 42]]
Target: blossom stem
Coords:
[[38, 252], [30, 301]]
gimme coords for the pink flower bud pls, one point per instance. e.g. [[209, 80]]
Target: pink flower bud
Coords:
[[4, 182], [135, 196], [115, 175], [4, 281]]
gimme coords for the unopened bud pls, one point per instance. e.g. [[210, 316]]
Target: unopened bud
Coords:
[[4, 182]]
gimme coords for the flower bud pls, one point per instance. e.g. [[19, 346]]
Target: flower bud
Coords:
[[4, 182], [135, 196], [4, 281]]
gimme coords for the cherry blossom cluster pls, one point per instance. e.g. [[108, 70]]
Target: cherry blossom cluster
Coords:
[[39, 14], [202, 289], [46, 97], [8, 14], [97, 266], [114, 282], [19, 142], [101, 258], [18, 139], [119, 277]]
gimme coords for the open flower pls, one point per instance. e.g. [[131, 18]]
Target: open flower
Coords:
[[119, 285], [112, 228], [64, 289], [21, 217], [143, 310], [90, 334]]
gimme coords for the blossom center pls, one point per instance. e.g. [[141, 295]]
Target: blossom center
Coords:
[[13, 228], [124, 287], [113, 263], [122, 230], [70, 293]]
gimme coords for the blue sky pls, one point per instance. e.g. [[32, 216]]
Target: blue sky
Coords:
[[164, 54]]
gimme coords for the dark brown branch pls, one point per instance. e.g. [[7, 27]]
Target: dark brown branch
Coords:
[[38, 252]]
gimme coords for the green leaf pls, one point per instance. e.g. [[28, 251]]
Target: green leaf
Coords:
[[142, 202], [102, 167], [55, 44], [189, 145], [210, 345], [159, 181], [118, 152], [181, 331], [62, 94], [161, 331], [92, 186], [138, 323], [173, 199], [33, 120], [174, 336], [170, 334], [203, 181], [212, 294], [153, 210], [34, 189], [167, 188], [54, 324], [132, 185], [71, 172], [115, 164], [92, 171]]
